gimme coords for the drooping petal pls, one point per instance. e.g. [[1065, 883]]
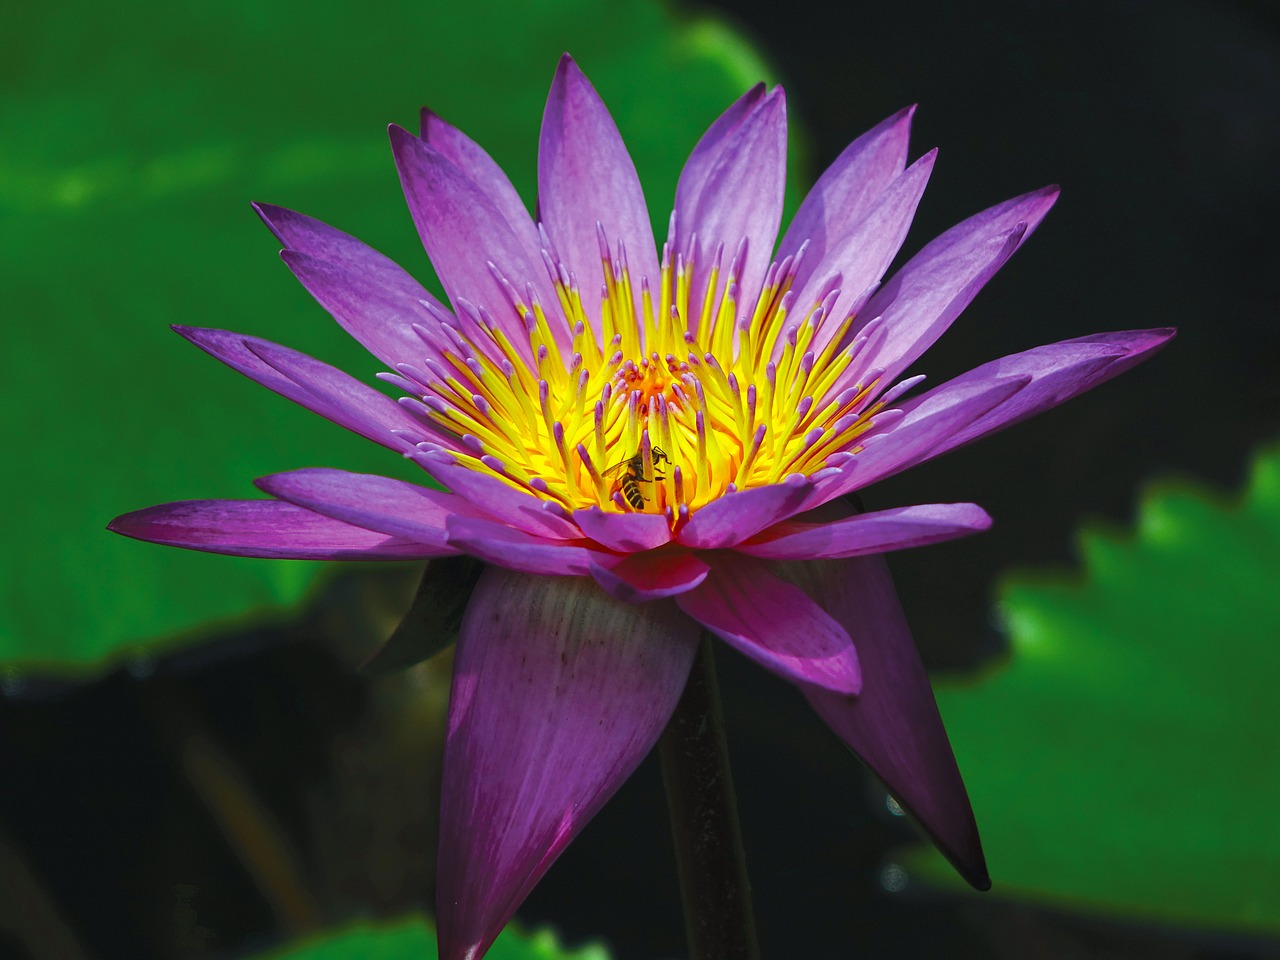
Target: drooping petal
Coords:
[[559, 692], [1058, 372], [653, 575], [929, 292], [389, 506], [738, 196], [894, 724], [864, 533], [463, 232], [585, 176], [315, 385], [773, 622], [733, 517], [623, 532], [264, 528], [469, 157], [846, 190], [514, 549]]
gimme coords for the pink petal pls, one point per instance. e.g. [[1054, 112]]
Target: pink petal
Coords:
[[641, 577], [389, 506], [773, 623], [846, 190], [865, 533], [920, 302], [463, 232], [558, 693], [623, 532], [733, 517], [264, 528], [514, 549], [894, 724], [469, 157], [585, 176], [736, 195], [1058, 372], [317, 386]]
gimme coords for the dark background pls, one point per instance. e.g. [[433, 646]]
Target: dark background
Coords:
[[1162, 123]]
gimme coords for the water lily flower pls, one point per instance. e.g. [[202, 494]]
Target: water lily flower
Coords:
[[643, 444]]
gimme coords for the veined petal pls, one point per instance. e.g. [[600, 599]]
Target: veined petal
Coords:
[[315, 385], [469, 157], [774, 623], [864, 533], [495, 498], [389, 506], [1058, 372], [623, 532], [559, 692], [732, 518], [894, 724], [514, 549], [585, 177], [846, 190], [653, 575], [740, 196], [463, 232], [264, 528], [923, 298]]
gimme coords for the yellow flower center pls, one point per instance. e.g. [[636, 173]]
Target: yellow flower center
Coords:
[[646, 411]]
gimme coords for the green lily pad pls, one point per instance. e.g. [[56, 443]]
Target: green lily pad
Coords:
[[414, 939], [1125, 758], [132, 148]]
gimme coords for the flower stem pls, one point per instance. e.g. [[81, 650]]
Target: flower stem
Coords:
[[719, 921]]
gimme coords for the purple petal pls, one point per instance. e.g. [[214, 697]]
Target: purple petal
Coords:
[[585, 176], [774, 623], [734, 517], [735, 195], [389, 506], [317, 386], [623, 532], [498, 499], [463, 232], [920, 302], [469, 157], [264, 528], [863, 253], [1058, 372], [380, 316], [864, 533], [641, 577], [559, 692], [846, 191], [514, 549], [894, 724], [709, 148]]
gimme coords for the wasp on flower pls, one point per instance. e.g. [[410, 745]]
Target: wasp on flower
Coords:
[[773, 377]]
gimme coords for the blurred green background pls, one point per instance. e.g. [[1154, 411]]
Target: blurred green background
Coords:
[[190, 765]]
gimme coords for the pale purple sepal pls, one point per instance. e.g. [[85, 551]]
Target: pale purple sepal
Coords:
[[846, 190], [623, 532], [773, 622], [922, 299], [641, 577], [1059, 371], [469, 157], [894, 724], [496, 498], [462, 232], [389, 506], [739, 196], [732, 517], [502, 545], [264, 528], [559, 691], [315, 385], [585, 177], [864, 533]]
